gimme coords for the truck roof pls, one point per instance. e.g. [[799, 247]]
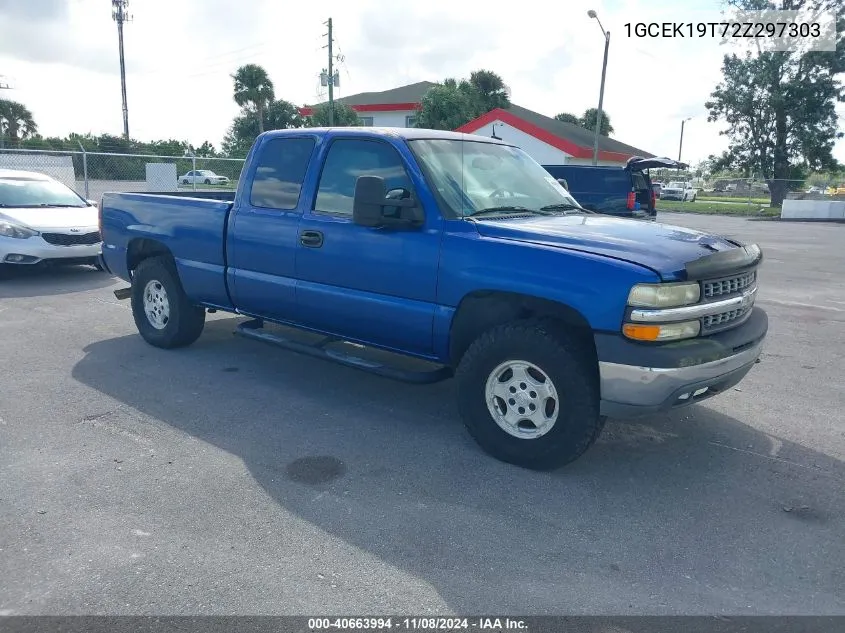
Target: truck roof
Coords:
[[408, 133], [20, 173]]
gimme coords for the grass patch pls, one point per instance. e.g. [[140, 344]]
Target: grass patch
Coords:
[[734, 199], [712, 208]]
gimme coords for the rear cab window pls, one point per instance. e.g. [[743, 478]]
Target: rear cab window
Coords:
[[280, 171]]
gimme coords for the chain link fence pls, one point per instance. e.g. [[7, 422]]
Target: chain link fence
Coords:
[[91, 174], [738, 196]]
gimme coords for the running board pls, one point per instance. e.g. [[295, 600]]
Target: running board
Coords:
[[254, 329]]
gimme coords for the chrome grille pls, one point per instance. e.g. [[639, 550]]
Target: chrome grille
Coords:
[[729, 286], [724, 319], [69, 239]]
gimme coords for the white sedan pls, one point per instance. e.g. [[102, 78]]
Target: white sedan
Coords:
[[204, 177], [42, 220]]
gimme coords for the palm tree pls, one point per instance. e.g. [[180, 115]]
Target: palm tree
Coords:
[[16, 121], [253, 90]]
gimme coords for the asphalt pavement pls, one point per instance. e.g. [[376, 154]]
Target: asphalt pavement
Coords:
[[235, 478]]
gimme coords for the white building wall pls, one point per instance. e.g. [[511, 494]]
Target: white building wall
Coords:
[[542, 152], [394, 118]]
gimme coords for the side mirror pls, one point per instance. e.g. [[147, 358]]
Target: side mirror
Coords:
[[371, 198], [92, 203], [563, 183]]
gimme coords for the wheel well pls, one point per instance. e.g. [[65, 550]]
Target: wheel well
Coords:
[[482, 310], [141, 249]]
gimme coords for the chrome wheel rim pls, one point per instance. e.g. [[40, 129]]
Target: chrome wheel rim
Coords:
[[522, 399], [156, 305]]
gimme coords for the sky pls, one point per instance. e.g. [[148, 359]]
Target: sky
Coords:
[[61, 57]]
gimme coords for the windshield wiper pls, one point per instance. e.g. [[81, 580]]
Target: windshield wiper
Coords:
[[564, 206], [501, 209]]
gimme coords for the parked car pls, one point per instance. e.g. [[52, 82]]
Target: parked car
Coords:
[[677, 190], [45, 221], [460, 252], [203, 176], [819, 190], [621, 191]]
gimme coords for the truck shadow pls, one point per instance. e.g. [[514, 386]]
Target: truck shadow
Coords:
[[693, 498], [36, 281]]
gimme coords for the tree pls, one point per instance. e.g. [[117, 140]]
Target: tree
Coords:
[[454, 103], [565, 117], [344, 116], [16, 122], [253, 91], [489, 91], [588, 120], [206, 150], [446, 107], [780, 105], [279, 115]]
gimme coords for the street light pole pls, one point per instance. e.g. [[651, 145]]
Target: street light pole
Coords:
[[681, 144], [606, 34]]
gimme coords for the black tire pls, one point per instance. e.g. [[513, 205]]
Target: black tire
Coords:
[[185, 322], [207, 181], [185, 182], [572, 371]]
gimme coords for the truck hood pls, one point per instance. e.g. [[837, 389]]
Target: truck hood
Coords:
[[663, 248], [43, 218]]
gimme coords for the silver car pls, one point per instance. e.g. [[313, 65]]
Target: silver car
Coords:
[[42, 220]]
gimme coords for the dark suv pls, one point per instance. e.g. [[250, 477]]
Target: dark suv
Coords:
[[621, 191]]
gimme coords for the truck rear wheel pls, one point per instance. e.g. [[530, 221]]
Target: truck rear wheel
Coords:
[[529, 395], [163, 315]]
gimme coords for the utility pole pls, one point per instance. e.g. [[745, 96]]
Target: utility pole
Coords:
[[606, 34], [120, 15], [4, 85], [331, 78]]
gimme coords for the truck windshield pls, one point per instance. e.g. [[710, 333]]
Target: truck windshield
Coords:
[[473, 177], [27, 192]]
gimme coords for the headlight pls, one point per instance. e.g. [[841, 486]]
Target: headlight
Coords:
[[664, 295], [664, 332], [7, 229]]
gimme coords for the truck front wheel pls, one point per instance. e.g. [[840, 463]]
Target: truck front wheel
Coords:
[[529, 395], [163, 315]]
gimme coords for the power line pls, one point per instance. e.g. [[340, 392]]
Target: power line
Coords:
[[120, 15]]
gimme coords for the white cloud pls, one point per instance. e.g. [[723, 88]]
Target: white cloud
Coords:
[[64, 61]]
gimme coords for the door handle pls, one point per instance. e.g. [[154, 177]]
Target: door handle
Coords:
[[311, 239]]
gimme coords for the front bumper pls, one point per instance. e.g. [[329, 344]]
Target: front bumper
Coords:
[[35, 250], [639, 379]]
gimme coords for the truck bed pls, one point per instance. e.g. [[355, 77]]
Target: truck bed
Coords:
[[192, 227]]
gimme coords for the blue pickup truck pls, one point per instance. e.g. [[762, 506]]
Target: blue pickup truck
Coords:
[[423, 255]]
